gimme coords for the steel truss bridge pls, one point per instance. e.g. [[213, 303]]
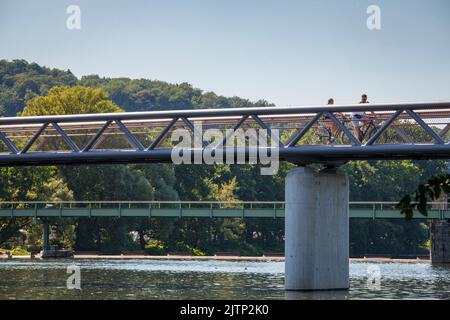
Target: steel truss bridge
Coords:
[[310, 134], [185, 209]]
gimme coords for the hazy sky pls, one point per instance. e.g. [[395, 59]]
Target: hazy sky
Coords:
[[287, 52]]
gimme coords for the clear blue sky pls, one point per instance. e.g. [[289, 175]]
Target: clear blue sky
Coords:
[[287, 52]]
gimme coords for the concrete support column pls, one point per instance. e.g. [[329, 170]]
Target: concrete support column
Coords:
[[45, 236], [440, 241], [316, 230]]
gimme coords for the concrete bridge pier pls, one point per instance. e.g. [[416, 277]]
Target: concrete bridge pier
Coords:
[[316, 230], [45, 237], [50, 251], [440, 242]]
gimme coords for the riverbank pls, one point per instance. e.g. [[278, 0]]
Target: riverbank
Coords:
[[229, 258]]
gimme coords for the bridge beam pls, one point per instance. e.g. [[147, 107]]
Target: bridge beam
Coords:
[[316, 230]]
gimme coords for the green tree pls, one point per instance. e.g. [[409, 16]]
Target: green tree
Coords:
[[20, 81], [113, 182], [396, 177], [21, 184], [70, 100]]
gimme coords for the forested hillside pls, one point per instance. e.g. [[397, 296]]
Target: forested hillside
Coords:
[[21, 81], [26, 87]]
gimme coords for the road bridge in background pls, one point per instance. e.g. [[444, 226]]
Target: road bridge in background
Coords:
[[186, 209]]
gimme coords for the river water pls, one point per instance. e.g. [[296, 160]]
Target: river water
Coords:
[[209, 279]]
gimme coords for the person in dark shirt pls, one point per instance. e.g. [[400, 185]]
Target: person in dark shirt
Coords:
[[334, 128]]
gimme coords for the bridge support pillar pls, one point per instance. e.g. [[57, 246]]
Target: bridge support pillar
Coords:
[[440, 241], [316, 230], [45, 237]]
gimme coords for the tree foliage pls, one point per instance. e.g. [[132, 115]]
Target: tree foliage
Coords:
[[70, 100], [432, 190], [21, 81]]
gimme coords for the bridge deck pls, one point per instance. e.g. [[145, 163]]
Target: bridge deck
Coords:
[[372, 210], [415, 130]]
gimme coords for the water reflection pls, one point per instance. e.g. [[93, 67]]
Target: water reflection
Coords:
[[146, 279]]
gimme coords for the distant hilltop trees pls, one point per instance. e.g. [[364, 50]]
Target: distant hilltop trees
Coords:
[[21, 81]]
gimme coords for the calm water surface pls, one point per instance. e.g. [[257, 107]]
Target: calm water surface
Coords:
[[175, 279]]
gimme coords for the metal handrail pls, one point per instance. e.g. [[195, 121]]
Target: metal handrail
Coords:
[[190, 202], [195, 113], [242, 209]]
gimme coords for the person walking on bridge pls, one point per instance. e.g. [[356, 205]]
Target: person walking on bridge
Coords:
[[359, 119], [334, 129]]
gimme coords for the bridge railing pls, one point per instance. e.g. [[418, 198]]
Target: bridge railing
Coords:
[[242, 209], [362, 205], [142, 204]]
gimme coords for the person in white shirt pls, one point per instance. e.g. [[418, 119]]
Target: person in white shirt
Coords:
[[359, 119]]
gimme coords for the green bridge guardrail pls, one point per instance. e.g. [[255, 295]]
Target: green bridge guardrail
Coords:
[[212, 209]]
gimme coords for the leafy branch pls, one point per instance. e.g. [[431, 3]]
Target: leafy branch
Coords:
[[429, 191]]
